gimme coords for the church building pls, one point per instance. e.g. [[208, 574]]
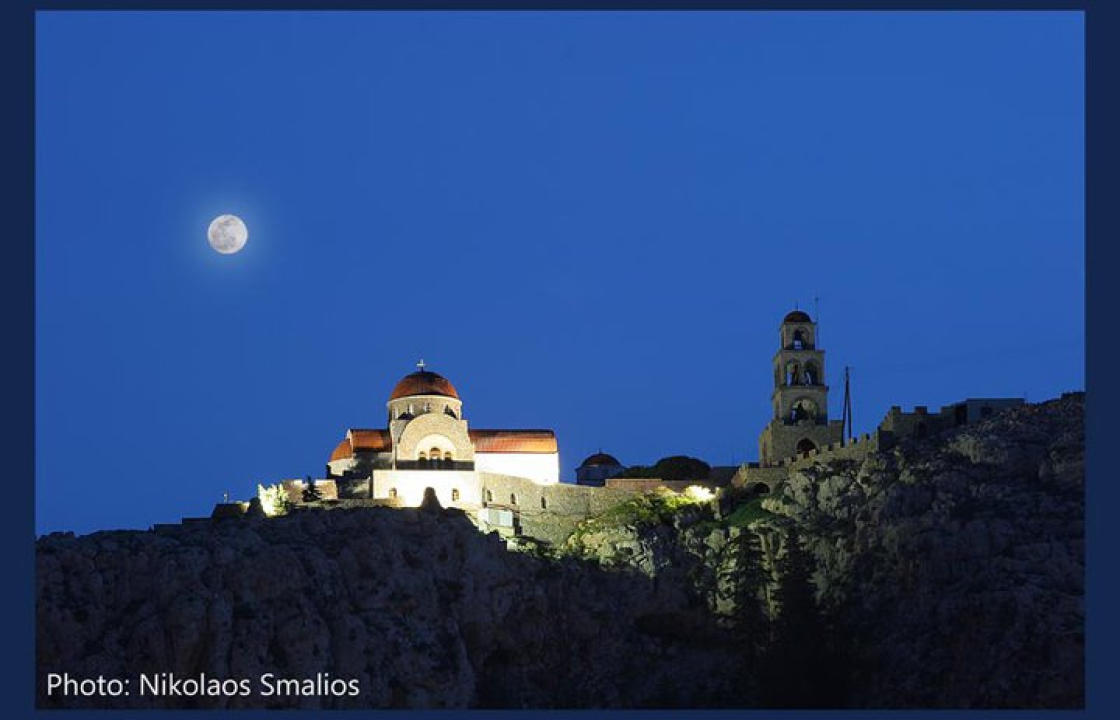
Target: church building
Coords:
[[427, 442]]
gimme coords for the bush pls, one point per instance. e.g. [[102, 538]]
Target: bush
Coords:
[[674, 468], [274, 501], [748, 512]]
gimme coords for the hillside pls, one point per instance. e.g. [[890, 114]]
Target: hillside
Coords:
[[946, 573]]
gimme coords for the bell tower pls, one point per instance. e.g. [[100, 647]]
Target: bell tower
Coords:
[[799, 401]]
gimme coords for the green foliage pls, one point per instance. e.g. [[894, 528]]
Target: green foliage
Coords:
[[674, 468], [798, 620], [802, 668], [311, 491], [274, 501], [648, 509], [748, 512], [745, 586], [642, 511]]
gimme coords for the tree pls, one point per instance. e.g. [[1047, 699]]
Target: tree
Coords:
[[744, 585], [674, 468], [795, 597], [797, 672], [273, 500], [311, 491]]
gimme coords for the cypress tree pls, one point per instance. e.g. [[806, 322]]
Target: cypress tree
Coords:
[[311, 491], [750, 626], [796, 665]]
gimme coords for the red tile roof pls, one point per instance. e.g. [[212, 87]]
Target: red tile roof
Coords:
[[370, 440], [343, 451], [513, 441], [485, 441]]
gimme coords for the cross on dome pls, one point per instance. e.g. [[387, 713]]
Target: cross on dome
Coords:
[[420, 365]]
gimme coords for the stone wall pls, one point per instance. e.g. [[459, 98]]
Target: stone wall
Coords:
[[640, 485], [328, 489], [751, 474], [917, 423], [549, 512], [779, 440]]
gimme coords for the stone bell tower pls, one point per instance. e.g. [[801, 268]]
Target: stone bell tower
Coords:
[[800, 398]]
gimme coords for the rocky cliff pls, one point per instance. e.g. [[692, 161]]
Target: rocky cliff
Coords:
[[418, 606], [946, 573]]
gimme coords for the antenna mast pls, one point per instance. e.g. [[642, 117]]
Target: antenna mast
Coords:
[[846, 417]]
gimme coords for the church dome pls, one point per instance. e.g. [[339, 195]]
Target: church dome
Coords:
[[600, 458], [797, 316], [424, 382]]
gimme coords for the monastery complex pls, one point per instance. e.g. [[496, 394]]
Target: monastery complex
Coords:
[[508, 480]]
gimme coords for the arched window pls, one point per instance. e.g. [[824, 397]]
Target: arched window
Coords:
[[392, 493], [435, 454], [513, 498], [793, 373], [803, 409], [450, 412], [544, 503], [489, 496], [805, 446], [454, 494], [422, 460], [812, 374], [798, 340]]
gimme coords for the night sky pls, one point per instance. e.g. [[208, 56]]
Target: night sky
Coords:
[[591, 222]]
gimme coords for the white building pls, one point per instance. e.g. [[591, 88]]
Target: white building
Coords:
[[428, 443]]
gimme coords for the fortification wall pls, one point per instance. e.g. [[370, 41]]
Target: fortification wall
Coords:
[[640, 485], [293, 489], [751, 475], [549, 512], [857, 449], [917, 423]]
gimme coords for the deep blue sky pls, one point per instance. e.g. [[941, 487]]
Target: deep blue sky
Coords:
[[591, 222]]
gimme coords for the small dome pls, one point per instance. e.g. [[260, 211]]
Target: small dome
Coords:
[[600, 458], [797, 316], [424, 382]]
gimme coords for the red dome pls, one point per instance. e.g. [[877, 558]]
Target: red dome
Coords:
[[424, 383], [797, 316], [600, 458]]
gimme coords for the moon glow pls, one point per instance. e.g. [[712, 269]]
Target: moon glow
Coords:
[[227, 234]]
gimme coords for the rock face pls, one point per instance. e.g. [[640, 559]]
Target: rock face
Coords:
[[955, 566], [416, 604], [950, 571]]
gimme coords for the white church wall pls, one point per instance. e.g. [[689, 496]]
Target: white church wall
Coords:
[[542, 468], [410, 485]]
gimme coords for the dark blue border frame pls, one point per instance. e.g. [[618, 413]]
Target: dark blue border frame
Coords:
[[17, 298]]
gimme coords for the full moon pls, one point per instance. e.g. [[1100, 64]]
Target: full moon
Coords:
[[227, 234]]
